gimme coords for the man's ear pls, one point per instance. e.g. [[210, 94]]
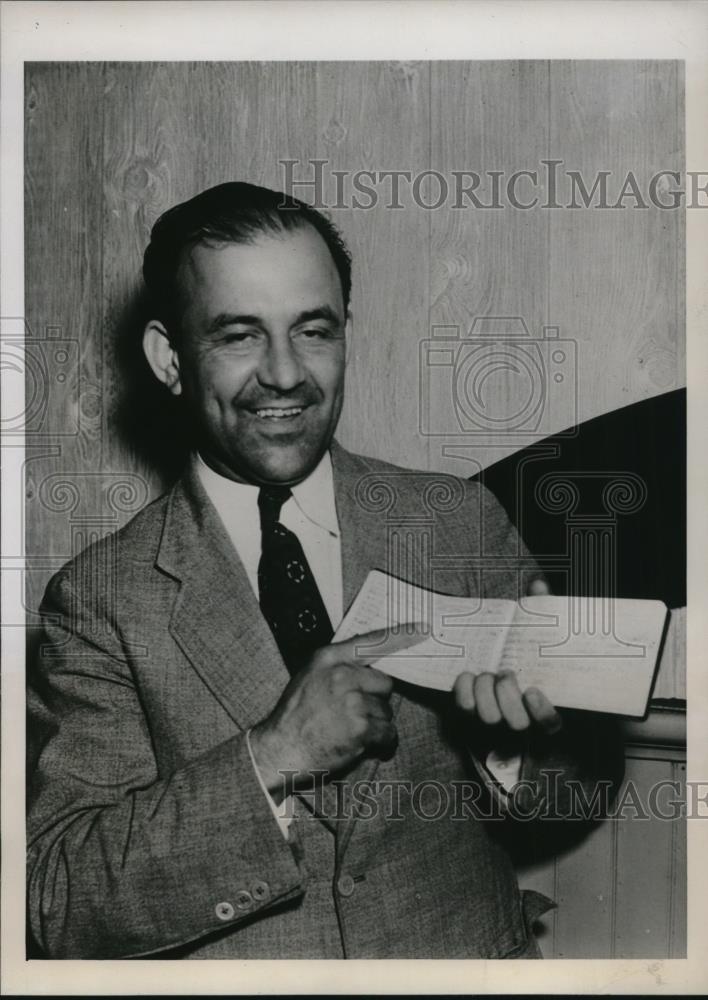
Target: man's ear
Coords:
[[162, 356]]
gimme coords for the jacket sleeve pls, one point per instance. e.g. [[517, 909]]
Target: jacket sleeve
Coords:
[[563, 774], [123, 862]]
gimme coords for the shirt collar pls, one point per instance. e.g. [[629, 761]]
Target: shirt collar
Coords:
[[314, 496]]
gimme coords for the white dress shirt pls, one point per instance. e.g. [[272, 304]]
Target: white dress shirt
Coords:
[[312, 515]]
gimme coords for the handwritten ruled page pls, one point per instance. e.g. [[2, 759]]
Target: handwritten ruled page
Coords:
[[593, 653], [464, 634]]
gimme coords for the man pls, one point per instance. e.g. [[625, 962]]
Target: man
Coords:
[[189, 687]]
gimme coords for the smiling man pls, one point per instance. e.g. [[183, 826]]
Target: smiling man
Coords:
[[261, 352], [194, 729]]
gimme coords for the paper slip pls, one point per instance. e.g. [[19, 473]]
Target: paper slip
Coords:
[[582, 652]]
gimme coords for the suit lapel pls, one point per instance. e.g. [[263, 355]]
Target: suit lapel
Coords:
[[378, 530], [216, 619], [365, 540], [363, 537]]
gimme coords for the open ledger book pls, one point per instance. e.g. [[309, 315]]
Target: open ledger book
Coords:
[[589, 653]]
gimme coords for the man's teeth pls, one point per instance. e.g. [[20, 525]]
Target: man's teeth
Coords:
[[279, 413]]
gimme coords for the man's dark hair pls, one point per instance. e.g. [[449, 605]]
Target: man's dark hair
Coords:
[[228, 213]]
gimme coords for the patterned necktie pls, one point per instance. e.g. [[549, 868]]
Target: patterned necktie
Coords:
[[289, 598]]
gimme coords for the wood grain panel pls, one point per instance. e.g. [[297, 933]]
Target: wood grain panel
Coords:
[[617, 275], [375, 117], [487, 118], [678, 915], [647, 866], [63, 295], [172, 131], [586, 887]]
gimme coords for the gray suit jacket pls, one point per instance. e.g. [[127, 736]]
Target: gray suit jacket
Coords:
[[148, 832]]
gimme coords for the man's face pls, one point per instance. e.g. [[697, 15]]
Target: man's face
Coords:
[[262, 354]]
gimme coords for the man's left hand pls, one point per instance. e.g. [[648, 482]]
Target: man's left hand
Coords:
[[496, 698]]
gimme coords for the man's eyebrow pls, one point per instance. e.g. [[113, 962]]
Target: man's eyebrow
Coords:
[[321, 312]]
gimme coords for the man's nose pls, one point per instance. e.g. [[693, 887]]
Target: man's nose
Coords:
[[281, 367]]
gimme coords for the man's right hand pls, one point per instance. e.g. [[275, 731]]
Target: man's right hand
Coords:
[[333, 712]]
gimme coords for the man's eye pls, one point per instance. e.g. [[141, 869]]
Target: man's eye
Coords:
[[238, 338], [313, 333]]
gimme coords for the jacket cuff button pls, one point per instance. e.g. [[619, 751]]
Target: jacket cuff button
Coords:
[[224, 911], [244, 900], [260, 891]]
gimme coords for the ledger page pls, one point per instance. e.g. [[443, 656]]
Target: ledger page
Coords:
[[591, 653], [462, 633]]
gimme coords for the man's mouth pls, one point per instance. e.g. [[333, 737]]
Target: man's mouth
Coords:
[[278, 412]]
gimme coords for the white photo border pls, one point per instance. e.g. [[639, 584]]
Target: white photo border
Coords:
[[345, 30]]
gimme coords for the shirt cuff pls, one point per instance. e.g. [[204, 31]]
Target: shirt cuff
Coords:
[[506, 769], [281, 812]]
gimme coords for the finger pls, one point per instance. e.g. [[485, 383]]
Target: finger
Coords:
[[510, 701], [541, 710], [463, 691], [370, 646], [373, 681], [487, 707], [538, 587]]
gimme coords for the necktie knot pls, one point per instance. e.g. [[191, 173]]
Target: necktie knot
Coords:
[[270, 502]]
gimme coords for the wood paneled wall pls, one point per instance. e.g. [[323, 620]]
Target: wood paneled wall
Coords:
[[111, 146]]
